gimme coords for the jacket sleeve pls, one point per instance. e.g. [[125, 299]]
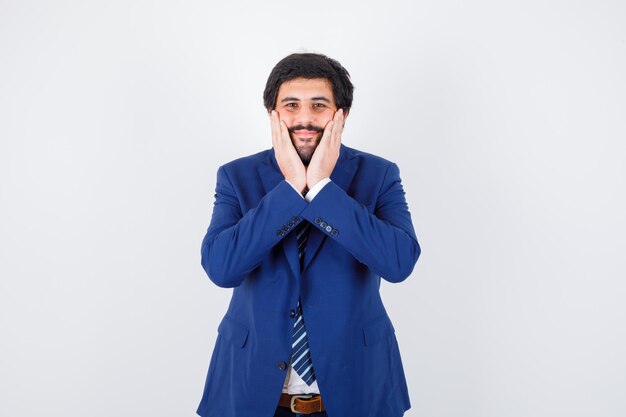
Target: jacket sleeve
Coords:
[[236, 243], [385, 240]]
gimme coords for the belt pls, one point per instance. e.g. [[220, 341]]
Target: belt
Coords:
[[303, 404]]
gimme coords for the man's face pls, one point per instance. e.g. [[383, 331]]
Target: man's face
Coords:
[[306, 106]]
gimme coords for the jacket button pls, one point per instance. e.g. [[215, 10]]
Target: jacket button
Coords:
[[280, 232], [323, 225], [292, 313], [318, 220], [335, 232], [282, 365], [328, 229]]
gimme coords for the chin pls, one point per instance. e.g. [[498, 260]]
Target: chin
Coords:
[[305, 157], [305, 153]]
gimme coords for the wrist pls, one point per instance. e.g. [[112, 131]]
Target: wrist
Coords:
[[299, 185], [312, 182]]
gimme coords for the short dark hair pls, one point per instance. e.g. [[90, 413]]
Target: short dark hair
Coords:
[[309, 65]]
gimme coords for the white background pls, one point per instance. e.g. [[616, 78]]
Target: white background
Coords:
[[507, 120]]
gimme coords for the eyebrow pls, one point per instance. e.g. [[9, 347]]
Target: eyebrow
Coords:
[[320, 98]]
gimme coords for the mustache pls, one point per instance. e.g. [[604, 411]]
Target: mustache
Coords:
[[307, 127]]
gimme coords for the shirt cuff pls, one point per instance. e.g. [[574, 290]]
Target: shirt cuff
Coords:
[[316, 189]]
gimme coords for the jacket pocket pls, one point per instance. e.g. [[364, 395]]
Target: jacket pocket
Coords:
[[234, 332], [377, 330]]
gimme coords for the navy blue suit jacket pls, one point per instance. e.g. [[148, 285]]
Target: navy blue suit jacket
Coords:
[[361, 232]]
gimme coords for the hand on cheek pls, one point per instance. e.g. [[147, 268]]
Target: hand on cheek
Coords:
[[287, 157], [326, 154]]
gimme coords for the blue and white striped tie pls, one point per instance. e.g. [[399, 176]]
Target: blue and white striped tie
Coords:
[[301, 360]]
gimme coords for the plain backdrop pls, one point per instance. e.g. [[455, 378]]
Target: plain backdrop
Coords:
[[506, 118]]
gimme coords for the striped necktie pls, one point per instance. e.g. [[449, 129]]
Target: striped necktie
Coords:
[[301, 360]]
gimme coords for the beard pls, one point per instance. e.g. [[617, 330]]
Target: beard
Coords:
[[305, 147]]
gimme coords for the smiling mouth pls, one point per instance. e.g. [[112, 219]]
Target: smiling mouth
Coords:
[[305, 133], [306, 137]]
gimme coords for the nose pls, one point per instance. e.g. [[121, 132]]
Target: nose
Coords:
[[305, 116]]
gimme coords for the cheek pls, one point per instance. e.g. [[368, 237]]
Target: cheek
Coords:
[[327, 117], [286, 117]]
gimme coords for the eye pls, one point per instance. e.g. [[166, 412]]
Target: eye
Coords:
[[319, 105], [291, 105]]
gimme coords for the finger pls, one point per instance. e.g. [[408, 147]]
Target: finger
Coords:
[[284, 133], [328, 131], [338, 121], [340, 118], [335, 140], [275, 128]]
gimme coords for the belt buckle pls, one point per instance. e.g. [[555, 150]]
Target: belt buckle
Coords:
[[296, 397]]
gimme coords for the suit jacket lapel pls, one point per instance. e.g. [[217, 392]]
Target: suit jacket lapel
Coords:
[[342, 176]]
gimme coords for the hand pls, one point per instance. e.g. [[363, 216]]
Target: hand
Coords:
[[287, 157], [326, 154]]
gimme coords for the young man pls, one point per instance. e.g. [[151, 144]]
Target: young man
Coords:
[[303, 233]]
